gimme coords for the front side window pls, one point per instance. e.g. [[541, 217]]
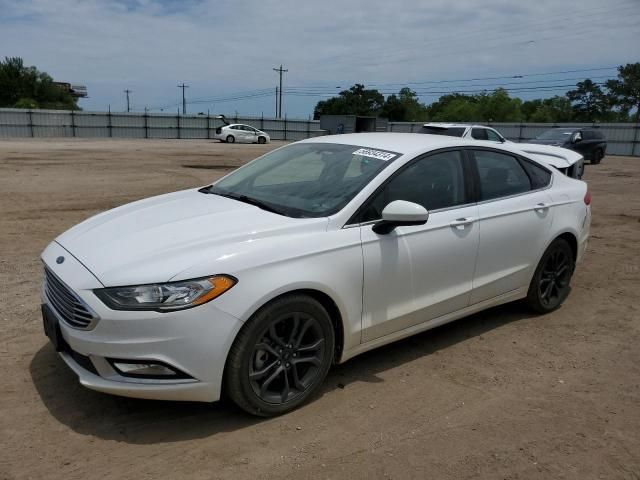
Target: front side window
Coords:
[[306, 179], [435, 182], [493, 136], [501, 175]]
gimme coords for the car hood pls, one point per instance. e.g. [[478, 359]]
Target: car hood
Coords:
[[551, 155], [155, 239], [537, 141]]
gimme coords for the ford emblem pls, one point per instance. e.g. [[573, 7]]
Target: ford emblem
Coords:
[[60, 259]]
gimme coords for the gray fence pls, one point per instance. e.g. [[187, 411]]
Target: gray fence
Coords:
[[60, 123], [622, 138]]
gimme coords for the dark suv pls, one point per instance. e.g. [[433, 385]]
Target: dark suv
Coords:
[[587, 141]]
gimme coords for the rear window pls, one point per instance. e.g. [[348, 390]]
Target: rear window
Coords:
[[539, 176], [597, 134], [447, 131]]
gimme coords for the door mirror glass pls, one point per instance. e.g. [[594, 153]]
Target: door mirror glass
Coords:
[[399, 213]]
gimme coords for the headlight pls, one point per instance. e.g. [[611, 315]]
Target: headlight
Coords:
[[166, 296]]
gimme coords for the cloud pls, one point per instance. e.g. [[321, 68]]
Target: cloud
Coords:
[[221, 47]]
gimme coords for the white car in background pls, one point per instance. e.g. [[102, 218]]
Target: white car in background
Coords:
[[240, 133], [308, 256], [476, 132], [567, 161]]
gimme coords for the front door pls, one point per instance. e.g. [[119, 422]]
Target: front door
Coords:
[[418, 273]]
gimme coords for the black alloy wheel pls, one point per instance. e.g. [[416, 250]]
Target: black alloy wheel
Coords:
[[550, 284], [287, 358], [281, 356]]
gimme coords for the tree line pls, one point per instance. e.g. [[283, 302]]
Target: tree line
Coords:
[[26, 87], [615, 101]]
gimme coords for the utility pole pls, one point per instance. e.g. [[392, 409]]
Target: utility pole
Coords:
[[127, 91], [280, 71], [184, 103], [276, 102]]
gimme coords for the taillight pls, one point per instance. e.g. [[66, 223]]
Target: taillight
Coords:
[[587, 198]]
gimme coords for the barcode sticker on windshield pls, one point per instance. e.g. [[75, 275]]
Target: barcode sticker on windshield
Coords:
[[379, 154]]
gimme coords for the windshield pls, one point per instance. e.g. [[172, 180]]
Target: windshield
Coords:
[[305, 179], [557, 134], [448, 131]]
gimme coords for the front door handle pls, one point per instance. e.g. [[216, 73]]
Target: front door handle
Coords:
[[541, 207], [460, 223]]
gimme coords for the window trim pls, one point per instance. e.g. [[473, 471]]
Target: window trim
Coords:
[[469, 188]]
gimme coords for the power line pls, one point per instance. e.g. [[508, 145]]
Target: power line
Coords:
[[127, 91], [184, 103], [280, 71]]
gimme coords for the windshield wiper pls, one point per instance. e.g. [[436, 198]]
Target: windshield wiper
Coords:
[[251, 201]]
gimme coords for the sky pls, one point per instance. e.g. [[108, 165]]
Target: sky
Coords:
[[225, 50]]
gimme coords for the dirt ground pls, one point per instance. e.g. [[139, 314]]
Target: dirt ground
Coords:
[[500, 395]]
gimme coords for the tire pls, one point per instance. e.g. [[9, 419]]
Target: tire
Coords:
[[262, 140], [550, 283], [281, 356], [597, 156], [231, 139]]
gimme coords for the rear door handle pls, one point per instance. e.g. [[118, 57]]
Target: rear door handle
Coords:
[[460, 223]]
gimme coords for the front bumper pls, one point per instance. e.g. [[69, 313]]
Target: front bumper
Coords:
[[194, 341]]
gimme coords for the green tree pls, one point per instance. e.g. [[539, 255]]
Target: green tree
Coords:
[[590, 104], [355, 101], [498, 106], [26, 87], [624, 91], [548, 110], [404, 107]]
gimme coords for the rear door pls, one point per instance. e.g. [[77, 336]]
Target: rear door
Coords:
[[515, 216]]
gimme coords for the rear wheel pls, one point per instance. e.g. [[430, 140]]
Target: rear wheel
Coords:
[[597, 156], [281, 356], [231, 139], [550, 283]]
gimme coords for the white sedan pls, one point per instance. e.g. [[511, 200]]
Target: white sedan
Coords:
[[306, 257], [237, 132]]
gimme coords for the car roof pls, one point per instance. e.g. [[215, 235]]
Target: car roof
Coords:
[[404, 143]]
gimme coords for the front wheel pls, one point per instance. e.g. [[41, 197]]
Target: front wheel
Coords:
[[550, 283], [262, 140], [281, 356]]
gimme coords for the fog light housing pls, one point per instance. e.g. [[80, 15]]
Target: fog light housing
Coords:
[[151, 369]]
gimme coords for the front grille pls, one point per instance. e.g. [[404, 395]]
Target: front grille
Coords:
[[67, 304]]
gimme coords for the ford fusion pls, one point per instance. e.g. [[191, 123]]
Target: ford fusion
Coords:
[[309, 255]]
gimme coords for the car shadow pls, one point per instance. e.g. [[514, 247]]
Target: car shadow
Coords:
[[146, 421]]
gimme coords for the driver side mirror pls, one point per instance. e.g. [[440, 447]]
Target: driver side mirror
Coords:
[[400, 213], [577, 137]]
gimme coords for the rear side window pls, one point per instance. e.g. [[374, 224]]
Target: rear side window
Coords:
[[501, 175], [435, 182], [588, 135], [479, 133], [540, 177]]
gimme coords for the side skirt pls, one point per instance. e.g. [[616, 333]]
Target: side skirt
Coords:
[[435, 322]]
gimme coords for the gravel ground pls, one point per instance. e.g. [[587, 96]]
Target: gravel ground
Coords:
[[502, 394]]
